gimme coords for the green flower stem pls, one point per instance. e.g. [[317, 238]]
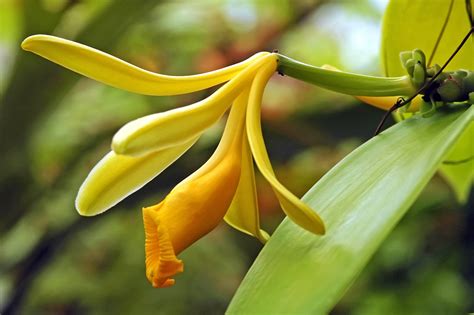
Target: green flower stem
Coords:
[[347, 83]]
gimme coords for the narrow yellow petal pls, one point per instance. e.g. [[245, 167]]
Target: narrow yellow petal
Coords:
[[162, 130], [294, 208], [386, 102], [243, 213], [116, 176], [195, 206], [110, 70], [382, 102]]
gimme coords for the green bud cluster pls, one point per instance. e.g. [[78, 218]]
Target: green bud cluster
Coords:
[[415, 64], [447, 87]]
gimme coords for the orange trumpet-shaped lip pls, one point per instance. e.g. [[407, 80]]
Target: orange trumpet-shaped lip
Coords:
[[193, 208], [186, 215], [161, 261]]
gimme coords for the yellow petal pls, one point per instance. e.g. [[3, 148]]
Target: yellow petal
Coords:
[[386, 102], [195, 206], [116, 176], [110, 70], [383, 102], [243, 213], [294, 208], [162, 130]]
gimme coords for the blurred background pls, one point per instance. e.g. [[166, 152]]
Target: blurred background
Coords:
[[55, 125]]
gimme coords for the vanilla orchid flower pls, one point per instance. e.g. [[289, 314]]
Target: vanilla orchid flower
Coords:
[[223, 188]]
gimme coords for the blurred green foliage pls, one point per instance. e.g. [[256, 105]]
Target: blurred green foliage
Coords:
[[55, 125]]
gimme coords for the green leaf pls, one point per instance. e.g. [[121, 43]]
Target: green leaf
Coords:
[[409, 24], [412, 24], [458, 168], [361, 199]]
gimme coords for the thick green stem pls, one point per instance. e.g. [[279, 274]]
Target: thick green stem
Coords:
[[347, 83]]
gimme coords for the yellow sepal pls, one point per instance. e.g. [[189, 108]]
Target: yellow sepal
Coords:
[[113, 71], [295, 209], [243, 214], [117, 176]]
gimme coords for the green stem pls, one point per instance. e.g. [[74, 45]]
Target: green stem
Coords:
[[343, 82]]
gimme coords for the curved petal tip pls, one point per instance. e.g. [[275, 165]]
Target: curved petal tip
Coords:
[[29, 42]]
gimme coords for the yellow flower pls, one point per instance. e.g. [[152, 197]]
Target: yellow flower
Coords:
[[223, 188]]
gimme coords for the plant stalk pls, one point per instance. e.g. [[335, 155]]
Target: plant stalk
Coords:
[[344, 82]]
